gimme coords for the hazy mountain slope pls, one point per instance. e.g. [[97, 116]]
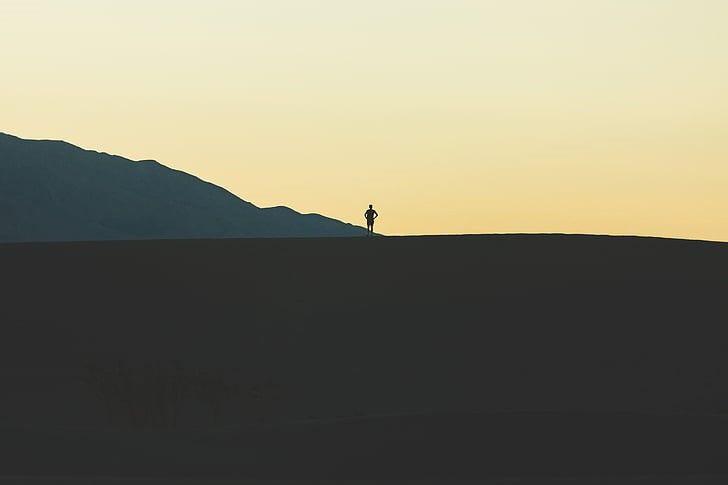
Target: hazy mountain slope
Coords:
[[51, 190]]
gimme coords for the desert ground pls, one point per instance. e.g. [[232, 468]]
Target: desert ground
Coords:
[[498, 359]]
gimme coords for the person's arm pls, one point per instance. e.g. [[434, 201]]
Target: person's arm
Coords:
[[376, 214]]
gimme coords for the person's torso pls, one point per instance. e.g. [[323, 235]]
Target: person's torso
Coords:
[[370, 214]]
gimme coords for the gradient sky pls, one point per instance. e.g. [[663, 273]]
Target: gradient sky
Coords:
[[451, 116]]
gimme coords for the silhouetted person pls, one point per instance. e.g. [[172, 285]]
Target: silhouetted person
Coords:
[[370, 215]]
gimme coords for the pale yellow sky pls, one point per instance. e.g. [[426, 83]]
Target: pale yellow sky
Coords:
[[451, 116]]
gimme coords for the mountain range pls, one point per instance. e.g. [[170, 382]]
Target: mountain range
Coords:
[[55, 191]]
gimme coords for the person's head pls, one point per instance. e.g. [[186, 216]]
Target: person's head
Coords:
[[370, 206]]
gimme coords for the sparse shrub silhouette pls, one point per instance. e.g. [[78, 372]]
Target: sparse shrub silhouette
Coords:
[[210, 388], [150, 396], [263, 395]]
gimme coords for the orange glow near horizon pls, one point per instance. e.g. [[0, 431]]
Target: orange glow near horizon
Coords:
[[450, 116]]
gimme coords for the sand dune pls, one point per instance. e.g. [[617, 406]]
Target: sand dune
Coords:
[[466, 357]]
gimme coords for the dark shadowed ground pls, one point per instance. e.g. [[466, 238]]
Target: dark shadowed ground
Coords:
[[518, 359]]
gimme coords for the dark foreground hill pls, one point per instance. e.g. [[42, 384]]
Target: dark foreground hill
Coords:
[[481, 357], [54, 191]]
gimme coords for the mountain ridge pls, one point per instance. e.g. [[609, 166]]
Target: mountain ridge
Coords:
[[52, 190]]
